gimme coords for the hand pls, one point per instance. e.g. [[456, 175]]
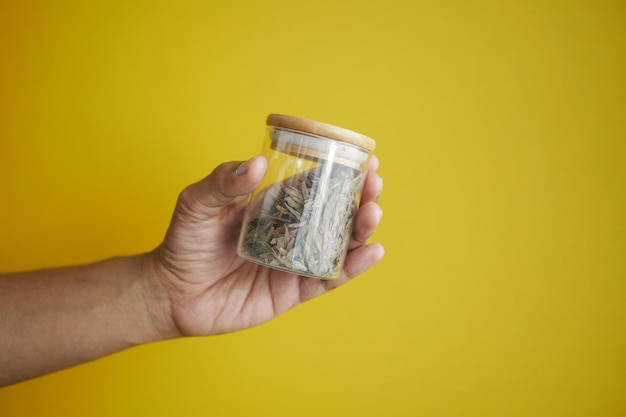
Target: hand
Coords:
[[209, 289]]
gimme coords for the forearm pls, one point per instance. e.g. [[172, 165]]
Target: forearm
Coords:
[[53, 319]]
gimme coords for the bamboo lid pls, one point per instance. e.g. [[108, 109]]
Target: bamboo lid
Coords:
[[321, 129]]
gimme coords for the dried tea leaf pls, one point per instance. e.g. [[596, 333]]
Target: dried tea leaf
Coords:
[[303, 223]]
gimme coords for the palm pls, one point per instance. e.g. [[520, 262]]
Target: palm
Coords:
[[212, 290]]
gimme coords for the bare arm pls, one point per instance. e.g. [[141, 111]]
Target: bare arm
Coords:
[[57, 318]]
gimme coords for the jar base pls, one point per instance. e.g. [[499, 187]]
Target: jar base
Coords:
[[278, 267]]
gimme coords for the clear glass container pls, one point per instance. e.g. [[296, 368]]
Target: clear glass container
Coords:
[[300, 218]]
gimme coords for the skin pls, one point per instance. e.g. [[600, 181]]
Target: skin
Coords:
[[192, 284]]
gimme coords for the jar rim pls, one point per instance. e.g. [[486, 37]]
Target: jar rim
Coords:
[[321, 129]]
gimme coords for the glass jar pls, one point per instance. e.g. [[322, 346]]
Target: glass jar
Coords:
[[300, 218]]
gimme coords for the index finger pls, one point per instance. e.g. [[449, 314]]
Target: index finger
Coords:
[[373, 186]]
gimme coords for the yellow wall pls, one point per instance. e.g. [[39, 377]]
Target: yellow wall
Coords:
[[501, 131]]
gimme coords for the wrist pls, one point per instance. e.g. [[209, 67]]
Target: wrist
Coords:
[[156, 297], [143, 307]]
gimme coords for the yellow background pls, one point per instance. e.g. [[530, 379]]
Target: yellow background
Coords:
[[501, 132]]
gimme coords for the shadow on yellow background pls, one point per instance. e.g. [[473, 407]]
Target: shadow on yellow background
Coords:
[[500, 129]]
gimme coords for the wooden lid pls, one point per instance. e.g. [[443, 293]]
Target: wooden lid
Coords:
[[321, 129]]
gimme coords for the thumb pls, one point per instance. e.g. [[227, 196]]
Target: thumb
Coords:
[[225, 184]]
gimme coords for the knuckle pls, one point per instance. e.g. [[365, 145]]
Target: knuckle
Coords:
[[187, 202]]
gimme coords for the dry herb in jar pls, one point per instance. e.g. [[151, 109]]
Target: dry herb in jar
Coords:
[[300, 219]]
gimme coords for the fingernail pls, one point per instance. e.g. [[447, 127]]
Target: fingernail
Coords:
[[242, 168]]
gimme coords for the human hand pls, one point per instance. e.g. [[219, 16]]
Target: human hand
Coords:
[[208, 289]]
